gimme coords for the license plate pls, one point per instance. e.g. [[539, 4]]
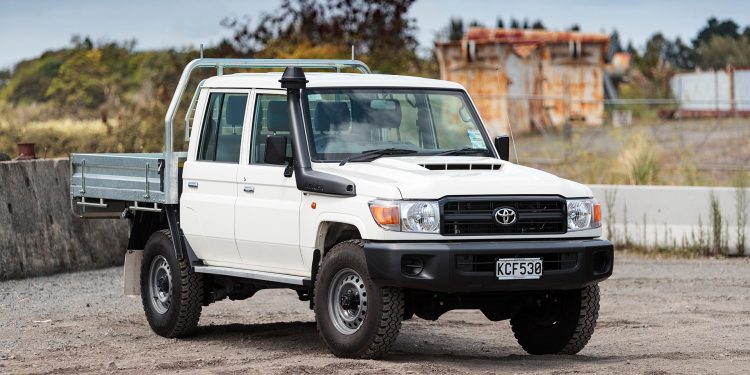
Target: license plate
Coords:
[[518, 268]]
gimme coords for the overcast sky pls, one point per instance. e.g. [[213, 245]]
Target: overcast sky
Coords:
[[28, 27]]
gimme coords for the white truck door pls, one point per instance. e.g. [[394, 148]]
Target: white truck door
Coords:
[[209, 179], [268, 204]]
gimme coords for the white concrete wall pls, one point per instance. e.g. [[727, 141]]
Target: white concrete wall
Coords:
[[667, 215]]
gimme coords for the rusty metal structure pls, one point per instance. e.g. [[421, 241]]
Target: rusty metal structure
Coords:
[[26, 151], [530, 79]]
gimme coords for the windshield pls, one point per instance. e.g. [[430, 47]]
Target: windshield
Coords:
[[348, 122]]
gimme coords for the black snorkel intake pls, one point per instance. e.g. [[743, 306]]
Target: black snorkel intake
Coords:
[[294, 81]]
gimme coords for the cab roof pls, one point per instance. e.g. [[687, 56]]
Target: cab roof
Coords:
[[316, 79]]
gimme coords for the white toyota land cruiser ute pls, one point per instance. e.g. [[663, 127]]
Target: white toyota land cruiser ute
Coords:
[[375, 197]]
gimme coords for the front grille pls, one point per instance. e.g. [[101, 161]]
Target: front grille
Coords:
[[463, 216], [486, 263]]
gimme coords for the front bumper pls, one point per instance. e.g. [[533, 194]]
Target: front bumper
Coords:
[[458, 267]]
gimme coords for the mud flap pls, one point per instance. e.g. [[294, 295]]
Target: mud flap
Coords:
[[132, 272]]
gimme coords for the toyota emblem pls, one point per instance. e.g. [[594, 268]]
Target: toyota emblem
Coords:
[[505, 216]]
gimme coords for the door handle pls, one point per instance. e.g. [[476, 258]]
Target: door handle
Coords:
[[192, 184], [248, 189]]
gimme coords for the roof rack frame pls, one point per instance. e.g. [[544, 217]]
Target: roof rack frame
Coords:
[[220, 64]]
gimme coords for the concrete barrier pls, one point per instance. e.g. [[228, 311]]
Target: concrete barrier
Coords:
[[39, 235], [670, 216]]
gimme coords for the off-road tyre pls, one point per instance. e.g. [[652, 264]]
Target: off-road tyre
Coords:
[[564, 327], [181, 317], [382, 318]]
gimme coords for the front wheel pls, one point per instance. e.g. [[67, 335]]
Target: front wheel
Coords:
[[172, 294], [355, 317], [559, 322]]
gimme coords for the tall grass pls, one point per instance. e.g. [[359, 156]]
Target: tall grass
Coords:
[[716, 223], [639, 160], [684, 152], [610, 199], [136, 128], [741, 210]]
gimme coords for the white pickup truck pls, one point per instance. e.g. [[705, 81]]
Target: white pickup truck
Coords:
[[375, 197]]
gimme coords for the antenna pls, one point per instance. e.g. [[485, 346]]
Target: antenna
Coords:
[[201, 50], [352, 51], [507, 119]]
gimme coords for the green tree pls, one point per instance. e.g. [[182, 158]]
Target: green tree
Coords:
[[721, 51], [719, 44], [31, 78], [83, 82], [4, 77], [631, 49], [661, 53], [654, 66], [382, 32], [614, 44], [681, 56], [653, 56], [456, 29], [726, 28]]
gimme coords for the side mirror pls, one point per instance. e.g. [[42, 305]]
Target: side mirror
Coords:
[[275, 150], [502, 145]]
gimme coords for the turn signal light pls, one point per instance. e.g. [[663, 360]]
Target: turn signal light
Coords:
[[597, 214], [386, 216]]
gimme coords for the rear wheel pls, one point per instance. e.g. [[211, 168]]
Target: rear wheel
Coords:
[[172, 294], [560, 322], [356, 318]]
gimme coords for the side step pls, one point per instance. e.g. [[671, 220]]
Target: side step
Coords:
[[255, 275]]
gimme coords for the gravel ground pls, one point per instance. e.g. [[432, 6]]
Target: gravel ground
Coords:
[[657, 317]]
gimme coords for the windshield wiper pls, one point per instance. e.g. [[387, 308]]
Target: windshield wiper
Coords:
[[371, 155], [462, 151]]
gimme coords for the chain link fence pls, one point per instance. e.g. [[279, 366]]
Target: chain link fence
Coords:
[[632, 141]]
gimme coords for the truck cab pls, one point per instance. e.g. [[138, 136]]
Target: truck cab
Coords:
[[376, 197]]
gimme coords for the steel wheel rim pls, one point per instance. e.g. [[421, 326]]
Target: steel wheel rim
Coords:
[[160, 284], [347, 301]]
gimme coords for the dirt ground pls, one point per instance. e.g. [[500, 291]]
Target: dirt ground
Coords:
[[657, 317]]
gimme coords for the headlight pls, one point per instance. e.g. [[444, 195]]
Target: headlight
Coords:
[[584, 214], [420, 217], [407, 216]]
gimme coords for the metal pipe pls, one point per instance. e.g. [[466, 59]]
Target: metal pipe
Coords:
[[83, 177], [148, 186], [299, 136], [191, 109], [101, 203], [136, 207]]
